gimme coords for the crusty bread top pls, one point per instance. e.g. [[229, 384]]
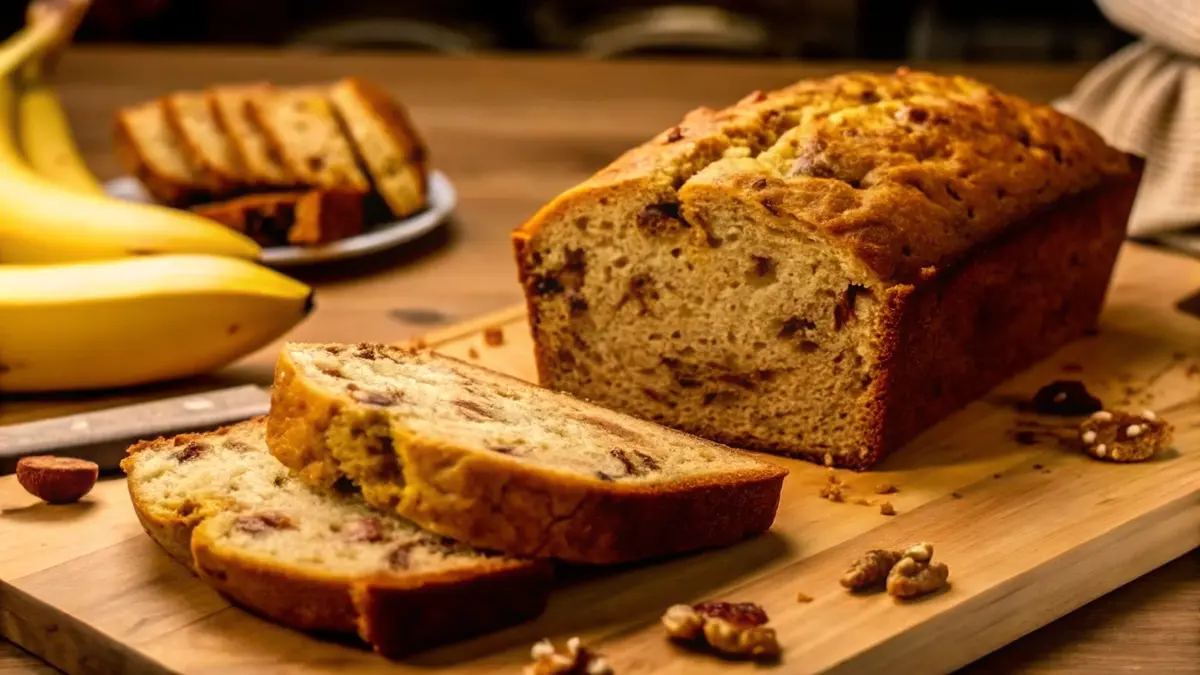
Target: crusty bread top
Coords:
[[228, 481], [445, 402], [907, 170]]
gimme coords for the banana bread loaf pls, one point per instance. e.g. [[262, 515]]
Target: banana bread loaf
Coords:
[[504, 465], [220, 504], [828, 269]]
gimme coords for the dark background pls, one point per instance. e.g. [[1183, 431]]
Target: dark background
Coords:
[[917, 30]]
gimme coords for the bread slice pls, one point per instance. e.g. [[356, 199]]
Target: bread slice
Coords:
[[150, 150], [261, 162], [193, 118], [291, 218], [302, 127], [504, 465], [386, 141], [314, 560]]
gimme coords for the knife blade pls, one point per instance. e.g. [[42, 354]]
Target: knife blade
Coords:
[[103, 435]]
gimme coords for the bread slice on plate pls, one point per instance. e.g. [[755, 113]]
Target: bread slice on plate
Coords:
[[152, 152], [193, 118], [505, 465], [386, 142], [316, 560], [302, 127], [291, 218], [262, 164]]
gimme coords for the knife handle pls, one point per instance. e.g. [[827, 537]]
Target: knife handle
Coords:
[[103, 435]]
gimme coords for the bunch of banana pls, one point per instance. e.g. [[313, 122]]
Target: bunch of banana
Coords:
[[97, 292]]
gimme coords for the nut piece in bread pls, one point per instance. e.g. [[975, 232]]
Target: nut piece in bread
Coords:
[[312, 560], [57, 480], [826, 270], [291, 218], [150, 150], [504, 465], [386, 142], [261, 161], [301, 126], [193, 118]]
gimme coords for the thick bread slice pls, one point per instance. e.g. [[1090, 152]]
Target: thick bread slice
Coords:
[[386, 141], [313, 560], [302, 127], [505, 465], [151, 151], [295, 218], [192, 116], [261, 161]]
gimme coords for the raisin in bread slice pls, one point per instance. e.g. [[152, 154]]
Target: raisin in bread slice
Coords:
[[505, 465], [386, 142], [314, 560], [261, 161], [302, 127], [193, 118], [150, 149], [295, 218]]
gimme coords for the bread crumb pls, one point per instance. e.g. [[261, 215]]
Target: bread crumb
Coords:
[[473, 353], [493, 336], [886, 489], [834, 489], [887, 509], [803, 597], [862, 501]]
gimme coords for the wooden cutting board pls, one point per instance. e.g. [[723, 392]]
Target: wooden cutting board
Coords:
[[1030, 529]]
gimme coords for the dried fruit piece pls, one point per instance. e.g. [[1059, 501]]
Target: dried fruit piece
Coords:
[[57, 480], [1065, 397], [1118, 436], [493, 336], [910, 578], [734, 629], [577, 660], [870, 569]]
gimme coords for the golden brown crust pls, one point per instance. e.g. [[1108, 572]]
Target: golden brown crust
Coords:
[[193, 118], [296, 218], [907, 171], [165, 189], [496, 503]]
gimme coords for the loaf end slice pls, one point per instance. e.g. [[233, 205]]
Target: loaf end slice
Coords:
[[314, 560], [387, 143], [303, 128], [505, 465], [150, 150], [260, 160], [193, 118]]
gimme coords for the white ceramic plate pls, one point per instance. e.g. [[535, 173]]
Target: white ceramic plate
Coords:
[[442, 199]]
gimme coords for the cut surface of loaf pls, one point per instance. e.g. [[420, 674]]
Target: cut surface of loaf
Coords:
[[150, 149], [313, 560], [504, 465], [386, 141], [291, 218], [261, 161], [828, 269], [303, 128], [193, 118]]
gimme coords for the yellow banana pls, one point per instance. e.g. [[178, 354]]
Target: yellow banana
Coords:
[[125, 322], [46, 139]]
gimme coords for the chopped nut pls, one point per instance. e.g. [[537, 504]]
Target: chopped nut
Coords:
[[922, 552], [872, 568], [834, 488], [886, 489], [735, 629], [910, 577], [1123, 437], [493, 336], [887, 509], [803, 597], [577, 660], [473, 353]]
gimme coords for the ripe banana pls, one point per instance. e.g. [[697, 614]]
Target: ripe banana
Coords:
[[133, 321], [46, 139]]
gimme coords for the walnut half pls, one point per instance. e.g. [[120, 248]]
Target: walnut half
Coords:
[[908, 573], [734, 629], [577, 660]]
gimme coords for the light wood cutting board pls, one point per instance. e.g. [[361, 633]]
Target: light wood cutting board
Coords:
[[1030, 529]]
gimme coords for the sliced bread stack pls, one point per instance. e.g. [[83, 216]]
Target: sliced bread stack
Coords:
[[282, 165], [363, 501]]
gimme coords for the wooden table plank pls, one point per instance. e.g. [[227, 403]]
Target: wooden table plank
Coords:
[[511, 133]]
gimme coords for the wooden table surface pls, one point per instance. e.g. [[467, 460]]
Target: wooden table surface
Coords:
[[511, 134]]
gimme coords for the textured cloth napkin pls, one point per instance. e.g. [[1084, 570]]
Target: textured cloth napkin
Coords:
[[1145, 99]]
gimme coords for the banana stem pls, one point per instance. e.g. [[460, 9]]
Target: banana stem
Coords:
[[26, 45]]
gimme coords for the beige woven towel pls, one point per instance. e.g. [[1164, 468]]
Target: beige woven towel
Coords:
[[1145, 99]]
